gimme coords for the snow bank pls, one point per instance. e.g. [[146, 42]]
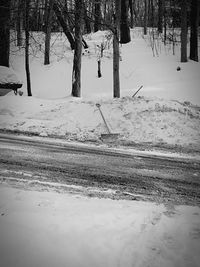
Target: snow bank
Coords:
[[51, 229], [7, 75], [164, 112], [137, 120]]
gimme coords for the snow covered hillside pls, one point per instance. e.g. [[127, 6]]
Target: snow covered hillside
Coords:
[[165, 111]]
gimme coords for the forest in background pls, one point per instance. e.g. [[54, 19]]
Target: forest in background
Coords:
[[76, 18]]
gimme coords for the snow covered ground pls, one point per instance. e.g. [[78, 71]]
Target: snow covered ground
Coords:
[[52, 229], [165, 111]]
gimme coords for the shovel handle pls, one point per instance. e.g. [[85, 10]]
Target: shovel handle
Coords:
[[137, 91], [99, 107]]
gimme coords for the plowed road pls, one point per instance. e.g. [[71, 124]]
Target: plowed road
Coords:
[[102, 172]]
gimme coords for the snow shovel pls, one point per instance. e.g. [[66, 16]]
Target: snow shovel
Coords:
[[137, 91], [108, 136]]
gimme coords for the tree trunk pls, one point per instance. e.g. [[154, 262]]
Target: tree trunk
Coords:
[[76, 73], [184, 31], [99, 68], [97, 14], [87, 20], [150, 13], [48, 32], [165, 24], [145, 17], [160, 15], [4, 32], [124, 28], [36, 14], [194, 20], [131, 13], [28, 78], [116, 56], [19, 23], [63, 25]]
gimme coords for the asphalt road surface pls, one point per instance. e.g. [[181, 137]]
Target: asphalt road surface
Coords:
[[98, 172]]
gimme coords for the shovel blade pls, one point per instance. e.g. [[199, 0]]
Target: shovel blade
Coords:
[[110, 136]]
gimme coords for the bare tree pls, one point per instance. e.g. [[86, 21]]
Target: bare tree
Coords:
[[5, 32], [124, 25], [131, 13], [145, 17], [194, 22], [48, 24], [116, 55], [63, 24], [150, 13], [87, 20], [97, 15], [160, 15], [28, 78], [184, 30], [19, 22], [76, 73]]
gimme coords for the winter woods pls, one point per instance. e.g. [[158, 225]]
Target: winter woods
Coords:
[[19, 19]]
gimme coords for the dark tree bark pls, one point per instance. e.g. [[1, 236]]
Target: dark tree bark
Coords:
[[160, 15], [151, 13], [116, 55], [37, 15], [19, 23], [28, 78], [97, 15], [99, 68], [131, 13], [48, 31], [87, 20], [4, 32], [63, 25], [165, 24], [145, 17], [76, 73], [124, 27], [184, 31], [194, 20]]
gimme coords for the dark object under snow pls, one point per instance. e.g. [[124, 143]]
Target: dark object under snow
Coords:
[[11, 86]]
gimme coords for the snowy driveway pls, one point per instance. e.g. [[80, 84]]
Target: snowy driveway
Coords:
[[47, 229]]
